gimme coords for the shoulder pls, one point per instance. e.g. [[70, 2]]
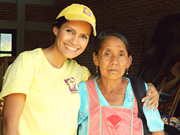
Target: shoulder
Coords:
[[82, 71], [27, 59], [137, 82], [30, 55], [82, 87], [73, 63]]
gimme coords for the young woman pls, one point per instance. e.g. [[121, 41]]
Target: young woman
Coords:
[[40, 87], [108, 105]]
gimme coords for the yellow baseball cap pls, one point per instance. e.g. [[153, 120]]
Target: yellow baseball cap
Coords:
[[79, 12]]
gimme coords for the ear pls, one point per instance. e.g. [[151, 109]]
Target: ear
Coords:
[[55, 30], [129, 62], [95, 59]]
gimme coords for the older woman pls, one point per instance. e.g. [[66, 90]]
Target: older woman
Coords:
[[108, 105]]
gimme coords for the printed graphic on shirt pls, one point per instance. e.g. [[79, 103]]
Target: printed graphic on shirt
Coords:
[[114, 120], [71, 82]]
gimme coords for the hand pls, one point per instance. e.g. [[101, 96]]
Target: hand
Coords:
[[1, 109], [152, 96]]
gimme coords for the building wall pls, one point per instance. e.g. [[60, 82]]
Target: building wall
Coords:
[[31, 18], [136, 20]]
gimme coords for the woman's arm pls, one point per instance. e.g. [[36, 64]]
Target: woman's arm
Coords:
[[13, 106], [153, 119], [153, 95]]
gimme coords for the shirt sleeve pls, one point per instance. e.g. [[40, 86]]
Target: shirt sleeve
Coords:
[[86, 73], [153, 118], [18, 76]]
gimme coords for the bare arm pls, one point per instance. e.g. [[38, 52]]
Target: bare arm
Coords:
[[158, 133], [13, 106], [153, 96]]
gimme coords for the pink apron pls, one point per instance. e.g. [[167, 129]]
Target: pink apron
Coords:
[[111, 120]]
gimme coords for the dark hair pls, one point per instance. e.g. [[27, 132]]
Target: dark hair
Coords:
[[59, 22], [102, 37]]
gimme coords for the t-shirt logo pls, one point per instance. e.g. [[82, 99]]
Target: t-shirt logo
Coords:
[[71, 82]]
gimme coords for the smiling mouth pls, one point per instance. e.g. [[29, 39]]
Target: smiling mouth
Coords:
[[71, 48]]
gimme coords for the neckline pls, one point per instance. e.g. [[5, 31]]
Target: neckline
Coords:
[[102, 99], [49, 64]]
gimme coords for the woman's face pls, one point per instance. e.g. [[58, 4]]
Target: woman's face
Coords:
[[112, 58], [72, 38]]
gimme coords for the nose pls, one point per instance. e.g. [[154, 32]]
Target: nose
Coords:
[[74, 40], [114, 60]]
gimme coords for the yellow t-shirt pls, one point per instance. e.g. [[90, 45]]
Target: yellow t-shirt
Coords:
[[52, 102]]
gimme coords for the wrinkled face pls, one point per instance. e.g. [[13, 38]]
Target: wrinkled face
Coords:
[[112, 58], [72, 38]]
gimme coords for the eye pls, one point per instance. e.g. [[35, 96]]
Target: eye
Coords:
[[122, 54], [69, 31], [84, 37], [107, 53]]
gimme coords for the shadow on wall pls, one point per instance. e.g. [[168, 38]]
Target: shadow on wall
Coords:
[[163, 50], [161, 64]]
